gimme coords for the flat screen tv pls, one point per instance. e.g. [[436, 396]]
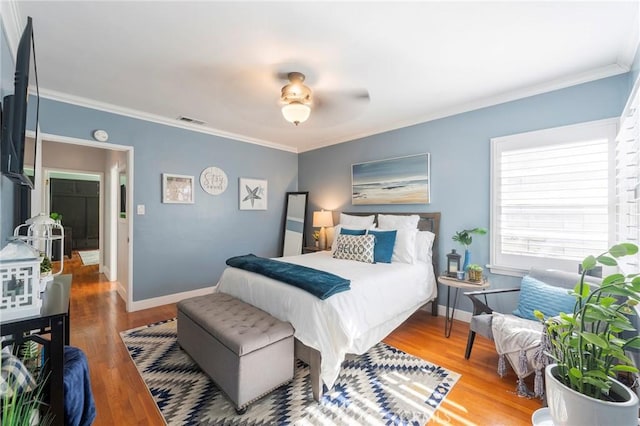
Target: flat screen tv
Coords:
[[14, 114]]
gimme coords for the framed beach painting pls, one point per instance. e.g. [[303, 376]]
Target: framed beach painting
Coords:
[[401, 180], [253, 194]]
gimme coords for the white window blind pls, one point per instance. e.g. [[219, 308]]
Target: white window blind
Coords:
[[628, 182], [552, 193]]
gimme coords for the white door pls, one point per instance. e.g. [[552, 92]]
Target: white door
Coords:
[[123, 234]]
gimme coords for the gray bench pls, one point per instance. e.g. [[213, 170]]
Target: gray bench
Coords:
[[246, 352]]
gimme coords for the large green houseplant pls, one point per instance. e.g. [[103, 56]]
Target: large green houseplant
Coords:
[[588, 345]]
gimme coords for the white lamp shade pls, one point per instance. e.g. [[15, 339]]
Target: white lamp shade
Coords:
[[296, 112], [322, 219]]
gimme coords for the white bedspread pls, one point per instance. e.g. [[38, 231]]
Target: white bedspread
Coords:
[[382, 297]]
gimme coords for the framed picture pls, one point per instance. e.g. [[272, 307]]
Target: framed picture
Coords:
[[253, 194], [402, 180], [177, 189]]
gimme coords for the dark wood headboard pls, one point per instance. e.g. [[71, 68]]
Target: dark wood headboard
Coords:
[[428, 222]]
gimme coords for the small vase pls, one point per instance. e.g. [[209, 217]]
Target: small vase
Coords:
[[467, 259], [317, 243]]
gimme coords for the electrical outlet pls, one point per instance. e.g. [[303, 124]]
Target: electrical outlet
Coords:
[[140, 209]]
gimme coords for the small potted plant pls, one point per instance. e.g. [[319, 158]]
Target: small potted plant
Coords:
[[588, 347], [316, 236], [464, 237], [475, 272]]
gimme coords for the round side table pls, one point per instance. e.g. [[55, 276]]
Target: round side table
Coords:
[[457, 284]]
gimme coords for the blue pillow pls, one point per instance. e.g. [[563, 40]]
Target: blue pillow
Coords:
[[383, 250], [549, 300], [345, 231]]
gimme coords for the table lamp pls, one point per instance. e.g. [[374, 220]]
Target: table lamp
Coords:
[[321, 220]]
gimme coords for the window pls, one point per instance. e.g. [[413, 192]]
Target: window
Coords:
[[628, 181], [552, 197]]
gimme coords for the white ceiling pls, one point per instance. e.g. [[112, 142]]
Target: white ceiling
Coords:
[[218, 61]]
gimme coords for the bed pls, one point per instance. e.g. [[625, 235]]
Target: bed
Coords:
[[382, 296]]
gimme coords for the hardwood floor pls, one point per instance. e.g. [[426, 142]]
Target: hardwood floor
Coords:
[[98, 315]]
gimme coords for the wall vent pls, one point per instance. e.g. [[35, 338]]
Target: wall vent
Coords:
[[190, 120]]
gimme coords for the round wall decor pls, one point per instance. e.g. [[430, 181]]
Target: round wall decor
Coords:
[[101, 135], [214, 180]]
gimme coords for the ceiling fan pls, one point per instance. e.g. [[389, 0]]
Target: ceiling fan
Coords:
[[298, 99]]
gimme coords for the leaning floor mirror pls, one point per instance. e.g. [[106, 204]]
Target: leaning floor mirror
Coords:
[[295, 212]]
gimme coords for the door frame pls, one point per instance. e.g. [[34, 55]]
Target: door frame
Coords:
[[130, 172], [46, 193]]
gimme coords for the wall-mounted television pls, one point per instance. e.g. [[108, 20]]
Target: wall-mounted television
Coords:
[[14, 114]]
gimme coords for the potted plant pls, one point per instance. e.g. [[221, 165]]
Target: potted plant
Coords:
[[464, 237], [475, 272], [588, 348], [316, 236]]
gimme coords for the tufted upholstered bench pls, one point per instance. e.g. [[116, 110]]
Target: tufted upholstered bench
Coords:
[[246, 351]]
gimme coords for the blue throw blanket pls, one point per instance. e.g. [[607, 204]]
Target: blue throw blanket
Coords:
[[79, 407], [319, 283]]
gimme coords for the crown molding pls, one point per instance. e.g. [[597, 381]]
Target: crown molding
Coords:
[[11, 23], [141, 115], [557, 84], [626, 57]]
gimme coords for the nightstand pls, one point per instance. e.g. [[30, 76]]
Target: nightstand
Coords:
[[457, 284], [310, 249]]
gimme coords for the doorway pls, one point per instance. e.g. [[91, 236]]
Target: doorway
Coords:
[[75, 198], [76, 156]]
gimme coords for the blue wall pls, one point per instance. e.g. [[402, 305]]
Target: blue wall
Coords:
[[180, 247], [460, 158]]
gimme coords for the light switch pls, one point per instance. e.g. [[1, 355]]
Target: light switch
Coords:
[[140, 209]]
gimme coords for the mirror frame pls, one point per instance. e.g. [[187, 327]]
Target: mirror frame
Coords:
[[304, 219]]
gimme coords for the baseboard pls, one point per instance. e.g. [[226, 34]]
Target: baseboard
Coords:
[[459, 315], [122, 292], [107, 272], [170, 298]]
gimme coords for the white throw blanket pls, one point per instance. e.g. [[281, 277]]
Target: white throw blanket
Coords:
[[520, 341]]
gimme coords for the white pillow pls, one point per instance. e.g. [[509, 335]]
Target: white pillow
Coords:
[[356, 222], [404, 250], [386, 221], [424, 246]]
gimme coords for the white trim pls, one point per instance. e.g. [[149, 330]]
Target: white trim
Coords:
[[140, 115], [130, 171], [560, 83], [47, 201], [459, 314], [605, 127], [507, 270], [168, 299], [11, 21]]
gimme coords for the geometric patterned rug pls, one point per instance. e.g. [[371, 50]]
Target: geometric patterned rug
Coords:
[[383, 386]]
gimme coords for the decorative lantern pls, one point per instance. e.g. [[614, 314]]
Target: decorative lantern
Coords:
[[41, 232], [453, 263], [20, 276]]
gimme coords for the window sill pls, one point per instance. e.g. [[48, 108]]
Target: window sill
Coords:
[[507, 270]]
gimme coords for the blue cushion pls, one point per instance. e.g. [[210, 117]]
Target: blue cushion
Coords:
[[344, 231], [383, 250], [549, 300]]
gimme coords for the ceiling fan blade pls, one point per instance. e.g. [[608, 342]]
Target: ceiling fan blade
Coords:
[[333, 108]]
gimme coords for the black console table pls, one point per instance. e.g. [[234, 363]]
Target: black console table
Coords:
[[53, 320]]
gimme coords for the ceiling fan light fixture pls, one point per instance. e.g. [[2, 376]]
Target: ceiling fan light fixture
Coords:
[[296, 112]]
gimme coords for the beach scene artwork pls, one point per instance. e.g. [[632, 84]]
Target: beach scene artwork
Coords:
[[402, 180]]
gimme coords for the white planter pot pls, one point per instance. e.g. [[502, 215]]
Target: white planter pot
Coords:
[[568, 407]]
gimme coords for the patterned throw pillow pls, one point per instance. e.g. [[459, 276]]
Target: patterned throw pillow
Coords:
[[355, 247]]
